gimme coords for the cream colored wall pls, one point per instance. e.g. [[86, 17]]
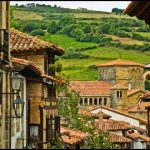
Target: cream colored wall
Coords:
[[134, 98], [133, 75]]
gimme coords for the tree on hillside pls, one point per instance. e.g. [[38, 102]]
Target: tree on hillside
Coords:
[[117, 10], [53, 27], [68, 110]]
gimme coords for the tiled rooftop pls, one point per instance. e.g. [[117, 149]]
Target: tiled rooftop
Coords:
[[140, 107], [137, 135], [121, 113], [145, 96], [120, 62], [91, 87], [112, 125], [115, 138], [17, 62], [20, 42], [95, 115], [73, 136], [140, 9], [132, 91], [118, 86]]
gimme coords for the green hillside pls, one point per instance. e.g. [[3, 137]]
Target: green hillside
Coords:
[[88, 37]]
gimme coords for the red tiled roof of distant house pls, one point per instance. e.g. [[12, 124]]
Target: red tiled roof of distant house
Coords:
[[132, 91], [121, 112], [95, 115], [72, 136], [91, 88], [140, 107], [115, 138], [20, 42], [112, 125], [17, 62], [118, 86], [137, 135], [120, 62]]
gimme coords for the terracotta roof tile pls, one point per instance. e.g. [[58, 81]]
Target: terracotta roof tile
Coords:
[[137, 135], [140, 107], [120, 62], [73, 136], [119, 86], [18, 61], [145, 96], [20, 41], [132, 91], [115, 138], [112, 125], [121, 112], [95, 115], [91, 87]]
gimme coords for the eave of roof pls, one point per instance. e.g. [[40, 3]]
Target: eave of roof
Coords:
[[140, 9], [120, 112], [21, 42]]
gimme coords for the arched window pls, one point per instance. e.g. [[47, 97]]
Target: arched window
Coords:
[[81, 101], [119, 94], [85, 101], [95, 101], [100, 101], [90, 101], [105, 101]]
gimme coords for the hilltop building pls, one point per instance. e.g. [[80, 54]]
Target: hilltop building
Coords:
[[120, 85]]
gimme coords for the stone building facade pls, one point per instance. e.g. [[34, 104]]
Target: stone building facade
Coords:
[[122, 72], [41, 92], [126, 78]]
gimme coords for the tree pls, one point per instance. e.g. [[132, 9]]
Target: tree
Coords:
[[68, 109], [52, 28]]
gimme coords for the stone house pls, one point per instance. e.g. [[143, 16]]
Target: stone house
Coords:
[[127, 80], [120, 85], [41, 93], [126, 125], [5, 72]]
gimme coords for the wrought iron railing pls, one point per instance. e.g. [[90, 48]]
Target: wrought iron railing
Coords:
[[4, 46]]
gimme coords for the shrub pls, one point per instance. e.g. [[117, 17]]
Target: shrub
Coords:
[[38, 32]]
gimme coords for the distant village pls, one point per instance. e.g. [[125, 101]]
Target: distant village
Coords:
[[117, 101]]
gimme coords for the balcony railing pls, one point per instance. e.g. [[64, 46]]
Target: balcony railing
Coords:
[[4, 46]]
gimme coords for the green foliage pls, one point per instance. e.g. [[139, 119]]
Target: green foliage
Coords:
[[147, 85], [68, 110], [52, 27], [117, 10], [71, 54], [38, 32]]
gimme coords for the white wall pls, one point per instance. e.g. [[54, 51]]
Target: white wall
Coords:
[[117, 116], [137, 144], [22, 127]]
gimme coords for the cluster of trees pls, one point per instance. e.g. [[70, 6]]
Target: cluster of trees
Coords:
[[117, 10]]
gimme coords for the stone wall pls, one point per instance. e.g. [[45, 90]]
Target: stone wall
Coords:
[[133, 75], [134, 98], [107, 74]]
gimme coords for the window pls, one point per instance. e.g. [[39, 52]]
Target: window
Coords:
[[85, 101], [81, 101], [129, 86], [119, 94], [95, 101], [100, 101], [90, 101], [34, 131], [105, 101]]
